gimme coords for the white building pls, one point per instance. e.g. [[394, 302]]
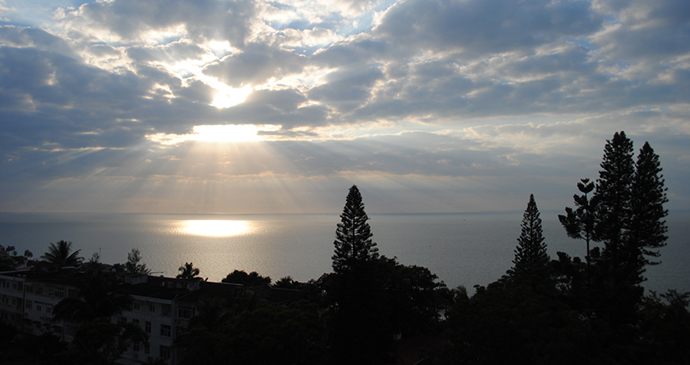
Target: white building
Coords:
[[162, 307]]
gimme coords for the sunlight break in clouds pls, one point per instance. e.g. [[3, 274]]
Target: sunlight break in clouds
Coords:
[[216, 133], [267, 106]]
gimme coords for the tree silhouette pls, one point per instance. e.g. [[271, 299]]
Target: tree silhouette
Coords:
[[132, 266], [353, 235], [530, 253], [648, 228], [614, 192], [211, 314], [579, 223], [99, 297], [188, 272], [61, 254]]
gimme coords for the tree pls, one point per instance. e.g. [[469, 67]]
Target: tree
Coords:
[[132, 266], [579, 223], [61, 254], [251, 279], [648, 228], [211, 314], [99, 297], [188, 272], [530, 254], [614, 192], [102, 342], [353, 235], [9, 258]]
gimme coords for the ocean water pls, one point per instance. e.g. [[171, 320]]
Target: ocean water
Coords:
[[462, 249]]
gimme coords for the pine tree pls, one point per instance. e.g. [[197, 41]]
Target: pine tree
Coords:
[[648, 228], [353, 235], [579, 223], [614, 192], [530, 253]]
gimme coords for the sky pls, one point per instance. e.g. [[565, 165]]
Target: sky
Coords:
[[246, 107]]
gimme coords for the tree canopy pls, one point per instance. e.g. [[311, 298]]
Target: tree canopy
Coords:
[[61, 254], [353, 241]]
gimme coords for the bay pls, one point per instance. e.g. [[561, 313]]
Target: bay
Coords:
[[461, 248]]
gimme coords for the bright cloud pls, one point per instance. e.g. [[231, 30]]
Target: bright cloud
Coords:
[[434, 95]]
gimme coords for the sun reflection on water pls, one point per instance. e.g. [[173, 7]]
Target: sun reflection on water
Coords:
[[215, 228]]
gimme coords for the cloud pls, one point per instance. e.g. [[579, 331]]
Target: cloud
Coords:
[[433, 93], [255, 65], [152, 22], [486, 27]]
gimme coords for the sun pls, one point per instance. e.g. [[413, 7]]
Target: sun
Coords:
[[228, 96]]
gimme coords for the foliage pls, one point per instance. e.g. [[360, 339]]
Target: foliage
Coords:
[[102, 342], [61, 254], [286, 282], [188, 272], [132, 266], [251, 279], [614, 190], [100, 296], [211, 314], [353, 234], [579, 223], [648, 227], [531, 258], [378, 300], [272, 334], [9, 258], [626, 214]]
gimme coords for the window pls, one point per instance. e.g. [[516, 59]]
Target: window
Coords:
[[147, 348], [59, 293], [165, 309], [166, 330], [39, 290], [165, 352], [152, 307], [135, 321], [14, 286], [122, 320], [5, 300], [29, 289], [136, 304], [39, 307], [29, 304], [49, 309], [148, 328], [135, 346]]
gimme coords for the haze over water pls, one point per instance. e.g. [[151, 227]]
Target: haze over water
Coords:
[[462, 249]]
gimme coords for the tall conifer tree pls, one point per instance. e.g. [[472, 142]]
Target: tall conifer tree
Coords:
[[353, 235], [530, 253], [648, 228], [614, 192]]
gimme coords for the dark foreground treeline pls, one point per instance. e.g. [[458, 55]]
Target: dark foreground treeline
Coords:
[[373, 310]]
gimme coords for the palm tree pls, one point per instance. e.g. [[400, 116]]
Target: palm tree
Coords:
[[188, 272], [211, 314], [60, 254], [99, 297]]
